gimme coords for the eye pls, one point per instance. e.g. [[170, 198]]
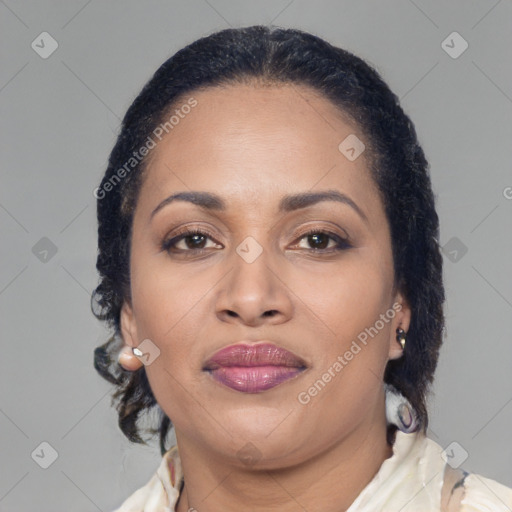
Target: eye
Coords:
[[190, 240], [196, 241], [320, 241]]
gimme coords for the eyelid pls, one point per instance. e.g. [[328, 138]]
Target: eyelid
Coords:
[[322, 226], [184, 228]]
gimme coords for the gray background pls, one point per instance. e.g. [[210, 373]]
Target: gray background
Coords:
[[59, 119]]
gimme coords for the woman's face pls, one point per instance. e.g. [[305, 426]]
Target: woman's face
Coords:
[[254, 275]]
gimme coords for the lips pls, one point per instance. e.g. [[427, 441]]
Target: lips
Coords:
[[264, 354], [254, 368]]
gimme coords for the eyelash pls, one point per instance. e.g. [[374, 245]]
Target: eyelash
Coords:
[[168, 245]]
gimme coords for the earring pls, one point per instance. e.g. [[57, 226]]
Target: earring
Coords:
[[401, 337], [399, 410], [128, 359]]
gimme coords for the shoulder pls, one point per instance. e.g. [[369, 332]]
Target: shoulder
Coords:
[[436, 485], [161, 492], [470, 492], [152, 492]]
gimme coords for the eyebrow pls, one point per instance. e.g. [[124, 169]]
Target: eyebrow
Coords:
[[209, 201]]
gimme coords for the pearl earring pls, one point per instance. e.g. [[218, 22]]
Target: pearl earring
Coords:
[[128, 359]]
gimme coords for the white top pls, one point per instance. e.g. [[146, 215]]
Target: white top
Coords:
[[415, 478]]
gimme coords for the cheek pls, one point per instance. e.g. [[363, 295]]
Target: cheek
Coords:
[[162, 294], [347, 299], [171, 307], [351, 346]]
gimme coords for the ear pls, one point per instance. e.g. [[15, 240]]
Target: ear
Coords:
[[127, 358], [401, 319], [128, 325]]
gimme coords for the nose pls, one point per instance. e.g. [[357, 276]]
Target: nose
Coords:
[[254, 294]]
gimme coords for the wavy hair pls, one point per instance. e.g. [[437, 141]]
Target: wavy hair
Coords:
[[270, 55]]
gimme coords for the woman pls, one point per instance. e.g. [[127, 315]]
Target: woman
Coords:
[[270, 267]]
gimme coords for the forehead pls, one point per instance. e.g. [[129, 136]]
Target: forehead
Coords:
[[251, 143]]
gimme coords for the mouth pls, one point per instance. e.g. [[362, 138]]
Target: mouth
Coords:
[[254, 368]]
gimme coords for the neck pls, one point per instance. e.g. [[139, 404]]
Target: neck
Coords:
[[329, 482]]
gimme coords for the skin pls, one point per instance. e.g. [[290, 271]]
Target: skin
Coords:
[[253, 145]]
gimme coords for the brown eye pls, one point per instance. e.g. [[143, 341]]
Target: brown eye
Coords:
[[196, 241], [190, 241], [324, 241], [319, 240]]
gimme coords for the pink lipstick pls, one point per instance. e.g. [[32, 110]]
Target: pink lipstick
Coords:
[[253, 368]]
